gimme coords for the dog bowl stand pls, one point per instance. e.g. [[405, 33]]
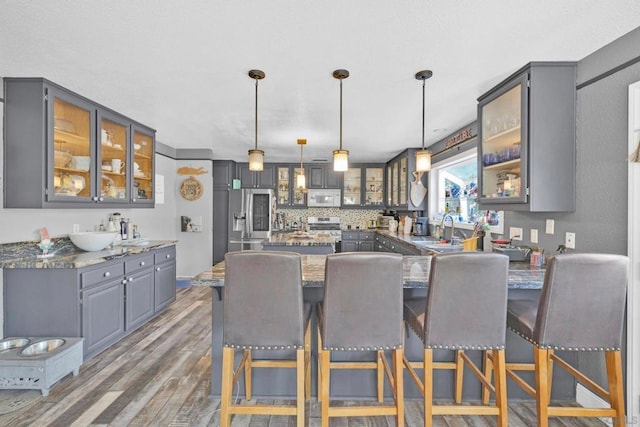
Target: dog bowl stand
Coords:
[[40, 371]]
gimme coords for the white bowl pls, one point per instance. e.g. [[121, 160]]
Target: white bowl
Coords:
[[93, 240]]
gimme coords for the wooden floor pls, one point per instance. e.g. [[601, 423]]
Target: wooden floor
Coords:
[[160, 376]]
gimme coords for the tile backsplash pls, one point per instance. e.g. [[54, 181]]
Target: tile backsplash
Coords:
[[353, 217]]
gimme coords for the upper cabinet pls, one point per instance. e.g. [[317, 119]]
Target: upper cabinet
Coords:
[[527, 147], [406, 188], [287, 195], [63, 150], [263, 179], [363, 186], [323, 176]]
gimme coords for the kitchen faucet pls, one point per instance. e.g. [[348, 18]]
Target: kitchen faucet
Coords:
[[453, 226]]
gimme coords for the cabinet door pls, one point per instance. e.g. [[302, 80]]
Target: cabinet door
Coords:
[[366, 246], [223, 174], [283, 193], [71, 148], [373, 186], [143, 166], [102, 316], [247, 177], [165, 284], [139, 297], [316, 176], [403, 181], [267, 178], [349, 246], [332, 179], [114, 137], [503, 145], [352, 187]]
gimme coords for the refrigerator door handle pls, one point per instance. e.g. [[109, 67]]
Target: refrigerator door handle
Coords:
[[249, 224]]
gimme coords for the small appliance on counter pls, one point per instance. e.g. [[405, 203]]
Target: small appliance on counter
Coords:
[[421, 226], [383, 221]]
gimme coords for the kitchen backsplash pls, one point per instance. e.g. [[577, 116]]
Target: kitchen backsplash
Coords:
[[353, 217]]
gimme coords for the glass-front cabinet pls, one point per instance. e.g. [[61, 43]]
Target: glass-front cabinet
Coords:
[[527, 140], [363, 186], [287, 195], [503, 139], [401, 182], [64, 150]]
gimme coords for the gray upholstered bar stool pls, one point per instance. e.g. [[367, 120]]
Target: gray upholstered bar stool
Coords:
[[362, 311], [264, 310], [581, 308], [465, 309]]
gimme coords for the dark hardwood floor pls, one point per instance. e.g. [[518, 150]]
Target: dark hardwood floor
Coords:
[[160, 374]]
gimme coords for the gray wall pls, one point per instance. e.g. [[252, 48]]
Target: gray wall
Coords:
[[600, 219]]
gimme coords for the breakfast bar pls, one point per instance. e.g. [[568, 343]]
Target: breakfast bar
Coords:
[[525, 282]]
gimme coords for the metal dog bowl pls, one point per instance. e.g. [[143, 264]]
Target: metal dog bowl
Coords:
[[10, 343], [41, 347]]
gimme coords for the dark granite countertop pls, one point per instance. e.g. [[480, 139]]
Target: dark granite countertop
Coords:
[[67, 255], [415, 273]]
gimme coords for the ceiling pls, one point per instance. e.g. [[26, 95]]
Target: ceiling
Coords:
[[181, 67]]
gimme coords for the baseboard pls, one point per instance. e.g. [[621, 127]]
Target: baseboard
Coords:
[[586, 398]]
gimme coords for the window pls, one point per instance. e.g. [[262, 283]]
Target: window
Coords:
[[453, 184]]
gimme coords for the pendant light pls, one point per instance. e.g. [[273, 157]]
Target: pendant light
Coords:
[[300, 178], [423, 157], [340, 157], [256, 157]]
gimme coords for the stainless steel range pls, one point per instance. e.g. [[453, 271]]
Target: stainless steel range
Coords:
[[327, 225]]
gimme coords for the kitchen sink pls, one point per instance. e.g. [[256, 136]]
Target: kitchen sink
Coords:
[[439, 247]]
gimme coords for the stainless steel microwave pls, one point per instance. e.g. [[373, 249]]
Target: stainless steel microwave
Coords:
[[324, 198]]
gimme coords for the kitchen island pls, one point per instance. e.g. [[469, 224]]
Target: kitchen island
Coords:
[[301, 242], [101, 295], [525, 282]]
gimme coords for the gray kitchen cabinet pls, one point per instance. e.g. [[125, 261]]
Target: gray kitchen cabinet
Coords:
[[363, 186], [63, 150], [287, 195], [323, 176], [224, 172], [387, 244], [165, 278], [263, 179], [527, 140], [358, 241], [401, 179], [139, 290], [102, 302]]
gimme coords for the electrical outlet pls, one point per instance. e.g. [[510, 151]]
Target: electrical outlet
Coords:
[[515, 233], [570, 240], [534, 235], [550, 225]]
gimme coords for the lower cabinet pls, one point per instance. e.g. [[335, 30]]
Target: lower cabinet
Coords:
[[387, 244], [102, 302], [358, 241]]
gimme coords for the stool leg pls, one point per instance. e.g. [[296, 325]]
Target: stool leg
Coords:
[[307, 362], [501, 387], [380, 371], [487, 371], [428, 386], [325, 355], [300, 386], [319, 346], [541, 360], [615, 379], [459, 375], [227, 386], [248, 389], [398, 384]]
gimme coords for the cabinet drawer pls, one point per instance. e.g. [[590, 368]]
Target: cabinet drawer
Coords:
[[101, 274], [350, 235], [138, 263], [164, 255]]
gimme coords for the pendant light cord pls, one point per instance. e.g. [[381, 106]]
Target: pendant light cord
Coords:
[[423, 112], [257, 115], [341, 114]]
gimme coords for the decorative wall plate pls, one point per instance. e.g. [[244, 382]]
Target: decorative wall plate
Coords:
[[191, 189]]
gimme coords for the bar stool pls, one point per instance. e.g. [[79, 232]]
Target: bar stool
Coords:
[[465, 309], [581, 308], [362, 311], [264, 310]]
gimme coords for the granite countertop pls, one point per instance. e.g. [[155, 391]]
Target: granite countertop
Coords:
[[295, 239], [67, 255], [415, 273]]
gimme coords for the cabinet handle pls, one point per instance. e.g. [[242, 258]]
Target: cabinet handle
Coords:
[[101, 199], [141, 263], [124, 281], [130, 279], [133, 200], [168, 255], [157, 268], [107, 274]]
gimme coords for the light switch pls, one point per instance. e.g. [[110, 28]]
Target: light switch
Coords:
[[550, 226], [534, 235], [570, 240]]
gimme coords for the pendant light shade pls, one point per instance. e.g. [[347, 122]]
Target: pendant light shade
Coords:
[[340, 157], [301, 180], [256, 156], [423, 157]]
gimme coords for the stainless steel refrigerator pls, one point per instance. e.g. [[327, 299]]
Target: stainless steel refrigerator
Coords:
[[251, 214]]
